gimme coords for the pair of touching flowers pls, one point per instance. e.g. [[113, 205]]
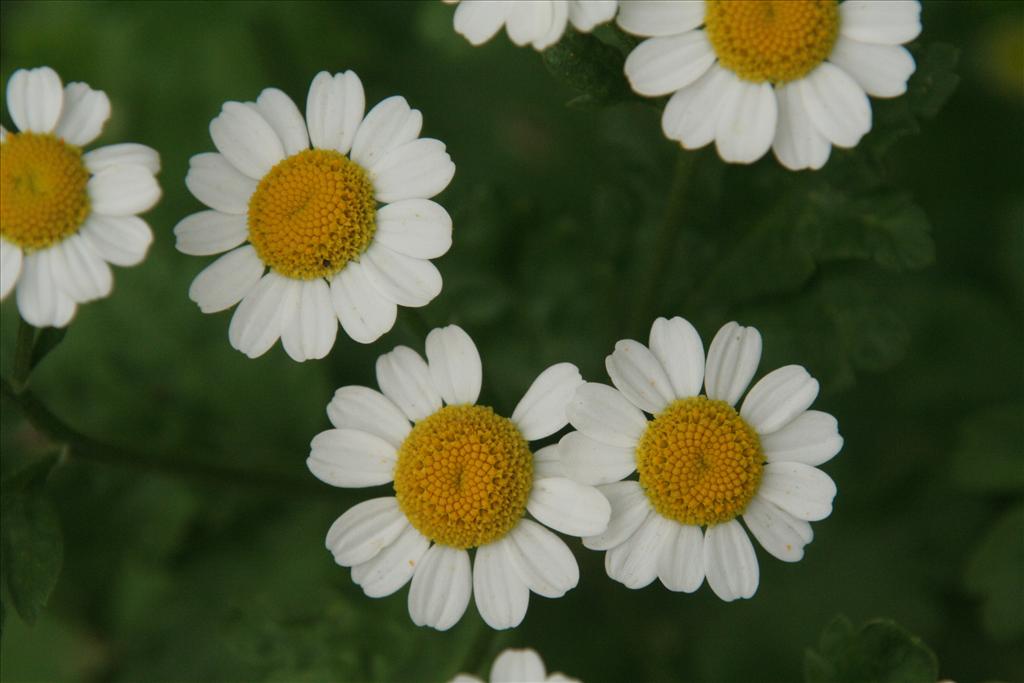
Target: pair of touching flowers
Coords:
[[466, 478]]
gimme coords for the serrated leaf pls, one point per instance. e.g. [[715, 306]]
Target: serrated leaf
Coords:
[[993, 572], [33, 550], [880, 651], [591, 66], [990, 454]]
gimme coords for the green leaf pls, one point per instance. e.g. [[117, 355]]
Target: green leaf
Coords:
[[591, 66], [880, 651], [935, 80], [990, 454], [33, 550], [993, 572]]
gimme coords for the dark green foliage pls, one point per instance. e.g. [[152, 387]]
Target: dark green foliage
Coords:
[[880, 651]]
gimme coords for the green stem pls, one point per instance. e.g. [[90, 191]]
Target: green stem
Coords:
[[23, 347]]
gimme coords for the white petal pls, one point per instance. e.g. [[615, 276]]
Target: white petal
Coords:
[[691, 115], [123, 190], [882, 70], [125, 153], [732, 361], [364, 530], [210, 232], [334, 110], [364, 312], [440, 588], [403, 279], [416, 170], [634, 563], [542, 560], [224, 283], [801, 490], [501, 596], [404, 378], [121, 240], [355, 407], [837, 106], [681, 560], [34, 99], [415, 227], [3, 134], [660, 66], [260, 318], [530, 22], [83, 115], [454, 364], [284, 117], [465, 678], [660, 18], [313, 326], [889, 23], [393, 566], [518, 666], [586, 14], [390, 124], [630, 509], [798, 144], [729, 561], [542, 410], [246, 140], [604, 414], [79, 271], [593, 462], [218, 184], [10, 266], [547, 462], [677, 346], [811, 438], [778, 532], [40, 301], [639, 376], [479, 20], [778, 397], [747, 122], [569, 507], [351, 458]]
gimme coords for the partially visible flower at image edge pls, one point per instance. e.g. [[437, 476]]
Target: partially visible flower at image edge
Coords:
[[790, 75], [464, 477], [65, 214], [517, 666], [538, 23], [324, 219], [700, 463]]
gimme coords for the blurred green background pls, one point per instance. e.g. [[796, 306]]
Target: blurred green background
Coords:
[[896, 275]]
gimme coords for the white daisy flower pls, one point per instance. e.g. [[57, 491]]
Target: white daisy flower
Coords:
[[66, 215], [326, 218], [517, 666], [539, 23], [792, 75], [464, 477], [700, 463]]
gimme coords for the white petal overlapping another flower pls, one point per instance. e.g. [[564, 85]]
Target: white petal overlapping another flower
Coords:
[[781, 489], [518, 666], [324, 219], [462, 476], [65, 215], [538, 23]]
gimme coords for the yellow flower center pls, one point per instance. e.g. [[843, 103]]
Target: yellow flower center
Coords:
[[699, 462], [312, 214], [772, 40], [463, 476], [43, 199]]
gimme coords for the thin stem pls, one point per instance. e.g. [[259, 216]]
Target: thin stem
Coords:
[[23, 347]]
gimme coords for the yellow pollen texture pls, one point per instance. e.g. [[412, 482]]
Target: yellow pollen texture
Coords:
[[312, 214], [463, 476], [772, 41], [699, 462], [43, 197]]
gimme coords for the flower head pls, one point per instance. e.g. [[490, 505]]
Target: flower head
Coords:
[[66, 214], [790, 75], [538, 23], [701, 465], [517, 666], [464, 477], [325, 218]]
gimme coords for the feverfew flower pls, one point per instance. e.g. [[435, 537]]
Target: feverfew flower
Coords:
[[792, 75], [701, 464], [517, 666], [464, 477], [332, 213], [64, 214], [539, 23]]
